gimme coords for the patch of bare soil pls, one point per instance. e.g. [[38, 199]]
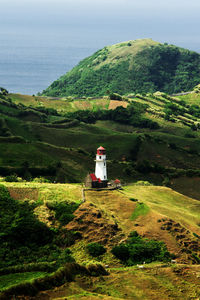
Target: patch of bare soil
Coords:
[[23, 193], [149, 227], [116, 205], [115, 103], [179, 240], [188, 244], [94, 225]]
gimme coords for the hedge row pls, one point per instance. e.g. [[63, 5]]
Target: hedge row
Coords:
[[42, 266], [62, 275]]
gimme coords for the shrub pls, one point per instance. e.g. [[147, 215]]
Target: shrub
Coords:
[[192, 172], [121, 252], [65, 257], [137, 250], [115, 96], [196, 258], [63, 211], [40, 179], [133, 199], [3, 91], [66, 238], [190, 135], [166, 181], [95, 249], [144, 166], [23, 237], [11, 178], [173, 146], [196, 235], [143, 183]]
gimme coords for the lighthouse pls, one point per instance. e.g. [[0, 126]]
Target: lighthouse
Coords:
[[100, 168], [99, 178]]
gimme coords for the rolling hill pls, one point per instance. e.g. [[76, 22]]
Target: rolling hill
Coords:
[[137, 66], [152, 144], [156, 137], [112, 215], [60, 240]]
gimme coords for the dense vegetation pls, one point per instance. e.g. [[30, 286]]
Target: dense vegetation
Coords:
[[138, 250], [95, 249], [139, 66], [25, 239], [132, 115]]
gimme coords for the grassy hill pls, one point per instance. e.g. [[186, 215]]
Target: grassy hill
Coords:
[[38, 139], [138, 66], [112, 215]]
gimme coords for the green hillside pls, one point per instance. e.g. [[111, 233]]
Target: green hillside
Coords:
[[138, 66], [153, 137], [44, 243], [48, 245]]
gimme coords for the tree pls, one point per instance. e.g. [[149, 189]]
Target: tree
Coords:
[[3, 91], [95, 249]]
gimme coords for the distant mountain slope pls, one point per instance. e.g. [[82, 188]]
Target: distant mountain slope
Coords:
[[134, 66]]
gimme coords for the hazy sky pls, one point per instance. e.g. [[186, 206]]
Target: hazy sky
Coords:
[[107, 21]]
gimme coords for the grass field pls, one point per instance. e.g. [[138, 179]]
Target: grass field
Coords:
[[62, 105], [140, 210], [45, 191], [169, 203], [154, 281], [6, 281]]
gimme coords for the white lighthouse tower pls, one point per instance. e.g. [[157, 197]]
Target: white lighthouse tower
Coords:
[[100, 168]]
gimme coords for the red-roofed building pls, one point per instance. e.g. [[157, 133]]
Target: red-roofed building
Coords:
[[117, 183], [93, 177]]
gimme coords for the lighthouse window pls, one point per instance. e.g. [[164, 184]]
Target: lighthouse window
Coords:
[[104, 177], [104, 164], [100, 157]]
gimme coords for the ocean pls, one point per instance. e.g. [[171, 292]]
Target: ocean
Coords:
[[32, 58], [30, 62]]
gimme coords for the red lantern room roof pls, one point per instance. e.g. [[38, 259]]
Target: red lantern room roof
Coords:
[[101, 148], [101, 151]]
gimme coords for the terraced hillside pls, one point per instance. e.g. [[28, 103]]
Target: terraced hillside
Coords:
[[174, 109], [156, 137]]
